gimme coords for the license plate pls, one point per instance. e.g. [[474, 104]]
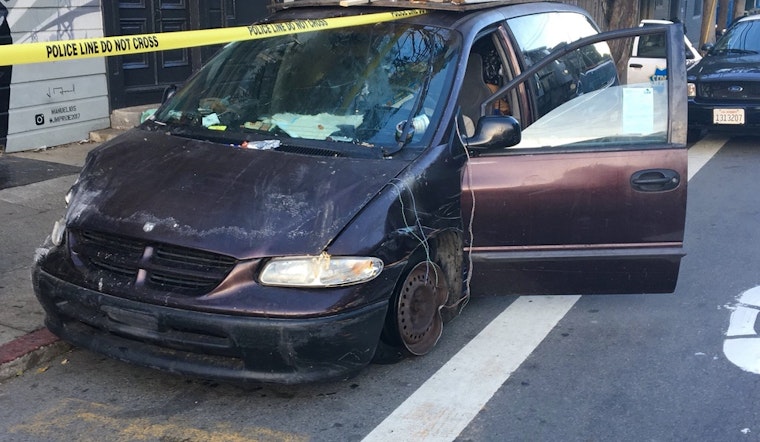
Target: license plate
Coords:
[[728, 116]]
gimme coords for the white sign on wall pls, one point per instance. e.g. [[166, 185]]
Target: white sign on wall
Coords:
[[52, 103]]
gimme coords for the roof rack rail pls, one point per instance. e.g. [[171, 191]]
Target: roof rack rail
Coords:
[[446, 5]]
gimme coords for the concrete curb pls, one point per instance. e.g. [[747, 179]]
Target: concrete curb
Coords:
[[28, 351]]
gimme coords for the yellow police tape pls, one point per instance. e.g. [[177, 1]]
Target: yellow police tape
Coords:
[[135, 44]]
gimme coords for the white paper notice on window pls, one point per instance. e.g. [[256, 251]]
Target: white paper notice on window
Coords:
[[638, 110]]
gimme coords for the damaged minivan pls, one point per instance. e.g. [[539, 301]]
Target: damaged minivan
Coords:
[[309, 202]]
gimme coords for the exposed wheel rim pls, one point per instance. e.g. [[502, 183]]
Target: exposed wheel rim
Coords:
[[418, 314]]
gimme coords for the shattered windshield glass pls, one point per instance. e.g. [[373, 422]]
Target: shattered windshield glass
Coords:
[[379, 85]]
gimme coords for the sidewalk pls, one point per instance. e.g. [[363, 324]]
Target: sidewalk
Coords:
[[32, 187]]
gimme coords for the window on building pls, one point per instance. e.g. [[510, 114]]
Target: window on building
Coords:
[[697, 8]]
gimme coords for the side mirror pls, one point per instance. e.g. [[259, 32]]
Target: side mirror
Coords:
[[707, 47], [494, 132], [169, 93]]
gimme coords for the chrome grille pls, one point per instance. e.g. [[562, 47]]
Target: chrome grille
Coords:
[[166, 267]]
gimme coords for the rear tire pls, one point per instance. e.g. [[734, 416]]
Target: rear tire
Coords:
[[417, 307]]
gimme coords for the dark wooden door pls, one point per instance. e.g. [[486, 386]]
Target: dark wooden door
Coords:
[[225, 14], [215, 14], [141, 78]]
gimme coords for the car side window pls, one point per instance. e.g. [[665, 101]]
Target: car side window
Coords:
[[577, 97], [569, 76]]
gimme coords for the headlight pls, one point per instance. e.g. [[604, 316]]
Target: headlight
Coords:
[[70, 194], [59, 228], [691, 90], [320, 271]]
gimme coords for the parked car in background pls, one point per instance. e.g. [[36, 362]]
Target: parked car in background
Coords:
[[647, 62], [310, 201], [724, 87]]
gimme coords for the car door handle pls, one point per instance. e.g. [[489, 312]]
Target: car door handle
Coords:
[[655, 180], [636, 65]]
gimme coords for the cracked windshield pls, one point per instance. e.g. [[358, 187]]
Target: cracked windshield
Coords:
[[370, 86]]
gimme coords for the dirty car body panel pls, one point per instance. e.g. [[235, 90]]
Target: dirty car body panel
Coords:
[[273, 227]]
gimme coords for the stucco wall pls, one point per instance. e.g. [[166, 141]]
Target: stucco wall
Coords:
[[62, 101]]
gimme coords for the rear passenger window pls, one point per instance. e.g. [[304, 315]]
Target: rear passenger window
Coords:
[[582, 71], [651, 46]]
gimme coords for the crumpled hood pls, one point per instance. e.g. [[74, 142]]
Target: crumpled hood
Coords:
[[238, 202], [721, 67]]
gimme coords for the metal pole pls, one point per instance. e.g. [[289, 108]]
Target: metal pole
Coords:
[[708, 22]]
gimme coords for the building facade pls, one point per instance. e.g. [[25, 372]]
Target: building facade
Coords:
[[689, 12]]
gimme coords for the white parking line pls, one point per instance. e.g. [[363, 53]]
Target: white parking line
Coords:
[[446, 403], [742, 345], [701, 152]]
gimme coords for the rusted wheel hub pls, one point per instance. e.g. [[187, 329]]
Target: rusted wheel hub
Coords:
[[418, 314]]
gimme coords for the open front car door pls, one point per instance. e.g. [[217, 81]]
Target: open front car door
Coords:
[[592, 199]]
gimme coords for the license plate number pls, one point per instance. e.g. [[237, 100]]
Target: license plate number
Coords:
[[728, 116]]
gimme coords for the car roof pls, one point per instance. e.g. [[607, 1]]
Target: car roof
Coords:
[[755, 16], [446, 5], [465, 20]]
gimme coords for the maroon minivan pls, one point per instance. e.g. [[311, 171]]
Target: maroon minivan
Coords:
[[308, 202]]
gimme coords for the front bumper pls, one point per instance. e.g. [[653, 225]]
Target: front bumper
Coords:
[[701, 117], [211, 345]]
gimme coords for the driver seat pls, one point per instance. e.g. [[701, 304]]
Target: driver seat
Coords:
[[474, 92]]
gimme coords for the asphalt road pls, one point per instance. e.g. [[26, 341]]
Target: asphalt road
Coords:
[[684, 366]]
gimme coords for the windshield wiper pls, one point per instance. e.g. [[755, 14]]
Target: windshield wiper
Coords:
[[408, 125]]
